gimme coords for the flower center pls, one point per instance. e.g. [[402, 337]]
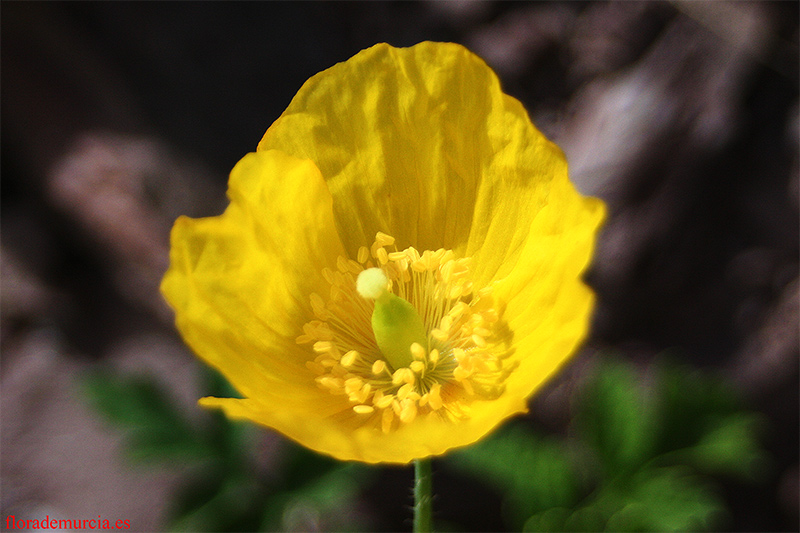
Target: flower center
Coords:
[[405, 334]]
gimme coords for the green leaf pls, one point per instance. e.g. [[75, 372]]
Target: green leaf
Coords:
[[218, 499], [665, 499], [588, 518], [689, 405], [531, 472], [554, 519], [614, 418], [702, 424], [156, 429], [731, 448]]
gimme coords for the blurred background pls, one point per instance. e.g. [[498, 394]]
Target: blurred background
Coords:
[[680, 412]]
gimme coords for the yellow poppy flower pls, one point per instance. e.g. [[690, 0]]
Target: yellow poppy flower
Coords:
[[399, 266]]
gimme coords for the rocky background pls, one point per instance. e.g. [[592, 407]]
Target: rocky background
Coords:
[[118, 117]]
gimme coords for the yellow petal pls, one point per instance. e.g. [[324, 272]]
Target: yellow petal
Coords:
[[341, 434], [403, 137], [239, 283], [544, 300], [422, 142]]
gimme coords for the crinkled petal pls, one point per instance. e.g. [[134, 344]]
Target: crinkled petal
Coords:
[[423, 144], [239, 283]]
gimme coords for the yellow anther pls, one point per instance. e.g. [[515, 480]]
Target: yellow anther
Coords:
[[383, 239], [404, 391], [353, 267], [323, 346], [327, 273], [439, 335], [378, 367], [331, 382], [352, 385], [417, 351], [433, 357], [456, 292], [363, 409], [418, 366], [363, 254], [403, 375], [458, 309], [408, 411], [446, 323], [419, 265], [381, 401], [478, 340], [349, 358], [359, 396], [447, 271], [382, 256], [397, 377]]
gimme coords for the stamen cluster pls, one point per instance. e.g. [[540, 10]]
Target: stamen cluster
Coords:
[[462, 362]]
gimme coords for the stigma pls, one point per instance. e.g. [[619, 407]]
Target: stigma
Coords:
[[406, 335]]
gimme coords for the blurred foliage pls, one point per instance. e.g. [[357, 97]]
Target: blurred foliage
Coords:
[[640, 455], [223, 488]]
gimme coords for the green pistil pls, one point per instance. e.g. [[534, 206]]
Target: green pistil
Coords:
[[395, 322]]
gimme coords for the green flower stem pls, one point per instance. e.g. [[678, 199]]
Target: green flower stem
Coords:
[[423, 496]]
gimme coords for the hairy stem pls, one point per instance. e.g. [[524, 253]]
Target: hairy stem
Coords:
[[423, 496]]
